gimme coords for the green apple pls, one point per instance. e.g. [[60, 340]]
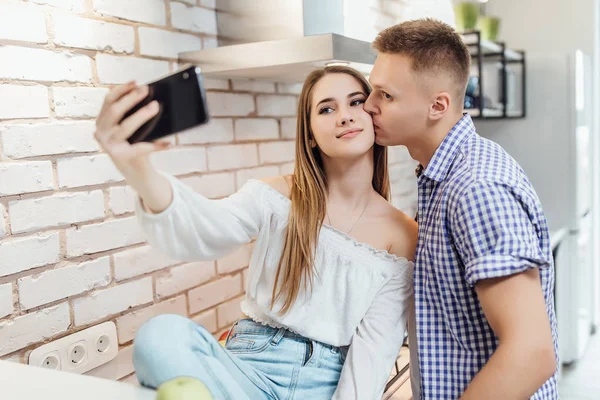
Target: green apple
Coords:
[[183, 388]]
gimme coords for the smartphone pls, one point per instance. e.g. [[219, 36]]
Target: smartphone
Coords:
[[182, 105]]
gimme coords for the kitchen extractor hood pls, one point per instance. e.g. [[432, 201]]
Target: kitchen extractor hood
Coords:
[[281, 40]]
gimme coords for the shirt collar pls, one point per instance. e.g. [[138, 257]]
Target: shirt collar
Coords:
[[440, 163]]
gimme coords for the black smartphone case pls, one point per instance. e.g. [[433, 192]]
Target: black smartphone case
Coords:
[[182, 105]]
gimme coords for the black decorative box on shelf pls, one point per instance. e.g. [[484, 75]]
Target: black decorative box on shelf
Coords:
[[497, 86]]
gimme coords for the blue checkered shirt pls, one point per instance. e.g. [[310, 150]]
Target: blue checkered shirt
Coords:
[[479, 217]]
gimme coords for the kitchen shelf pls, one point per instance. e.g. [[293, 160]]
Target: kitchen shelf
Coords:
[[492, 113], [490, 48], [486, 52]]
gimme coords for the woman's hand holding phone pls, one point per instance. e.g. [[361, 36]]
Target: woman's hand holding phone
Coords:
[[132, 160]]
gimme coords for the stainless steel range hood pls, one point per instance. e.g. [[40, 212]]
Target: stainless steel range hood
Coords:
[[280, 40]]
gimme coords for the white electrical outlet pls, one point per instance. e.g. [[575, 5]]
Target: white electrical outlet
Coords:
[[80, 352], [77, 352], [51, 360]]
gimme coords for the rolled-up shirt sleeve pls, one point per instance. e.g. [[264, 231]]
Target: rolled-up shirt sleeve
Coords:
[[496, 233]]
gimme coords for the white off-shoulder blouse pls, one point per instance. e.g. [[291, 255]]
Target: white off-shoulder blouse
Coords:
[[360, 297]]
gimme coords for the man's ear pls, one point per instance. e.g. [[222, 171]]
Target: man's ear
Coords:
[[440, 104]]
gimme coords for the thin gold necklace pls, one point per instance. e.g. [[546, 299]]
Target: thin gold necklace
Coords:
[[355, 222]]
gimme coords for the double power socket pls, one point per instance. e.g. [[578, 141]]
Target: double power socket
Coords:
[[79, 352]]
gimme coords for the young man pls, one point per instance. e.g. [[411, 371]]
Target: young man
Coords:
[[485, 320]]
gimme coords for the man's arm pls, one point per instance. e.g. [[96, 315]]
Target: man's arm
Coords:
[[497, 233], [524, 360]]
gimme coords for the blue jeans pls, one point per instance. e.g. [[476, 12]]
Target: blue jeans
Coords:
[[259, 362]]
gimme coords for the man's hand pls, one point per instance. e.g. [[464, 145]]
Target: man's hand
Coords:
[[515, 309]]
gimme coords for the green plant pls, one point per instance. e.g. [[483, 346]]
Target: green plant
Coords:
[[466, 14]]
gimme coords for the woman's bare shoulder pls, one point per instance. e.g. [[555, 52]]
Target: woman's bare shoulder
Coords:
[[403, 231]]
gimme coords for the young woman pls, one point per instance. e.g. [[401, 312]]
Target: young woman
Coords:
[[330, 279]]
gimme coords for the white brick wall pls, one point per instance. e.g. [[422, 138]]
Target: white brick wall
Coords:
[[286, 169], [289, 88], [128, 324], [23, 101], [25, 177], [78, 102], [276, 105], [229, 312], [397, 154], [122, 199], [229, 104], [217, 130], [194, 19], [402, 176], [245, 277], [250, 85], [213, 83], [161, 43], [208, 320], [57, 65], [256, 129], [393, 7], [180, 161], [104, 236], [58, 210], [113, 300], [71, 5], [140, 261], [214, 293], [33, 327], [117, 368], [149, 11], [276, 152], [236, 260], [63, 282], [86, 33], [15, 358], [23, 22], [3, 229], [121, 69], [22, 254], [208, 3], [288, 128], [255, 173], [179, 279], [232, 156], [88, 170], [32, 140], [210, 43], [6, 300]]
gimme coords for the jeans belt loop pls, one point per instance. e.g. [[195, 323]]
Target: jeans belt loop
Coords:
[[231, 331], [278, 336]]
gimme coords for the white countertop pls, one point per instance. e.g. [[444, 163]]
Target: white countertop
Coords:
[[24, 382]]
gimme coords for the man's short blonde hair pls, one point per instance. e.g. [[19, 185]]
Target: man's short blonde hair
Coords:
[[433, 47]]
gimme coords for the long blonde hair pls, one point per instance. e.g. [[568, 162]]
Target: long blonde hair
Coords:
[[308, 195]]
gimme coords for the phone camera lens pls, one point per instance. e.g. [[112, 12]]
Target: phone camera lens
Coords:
[[186, 75]]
